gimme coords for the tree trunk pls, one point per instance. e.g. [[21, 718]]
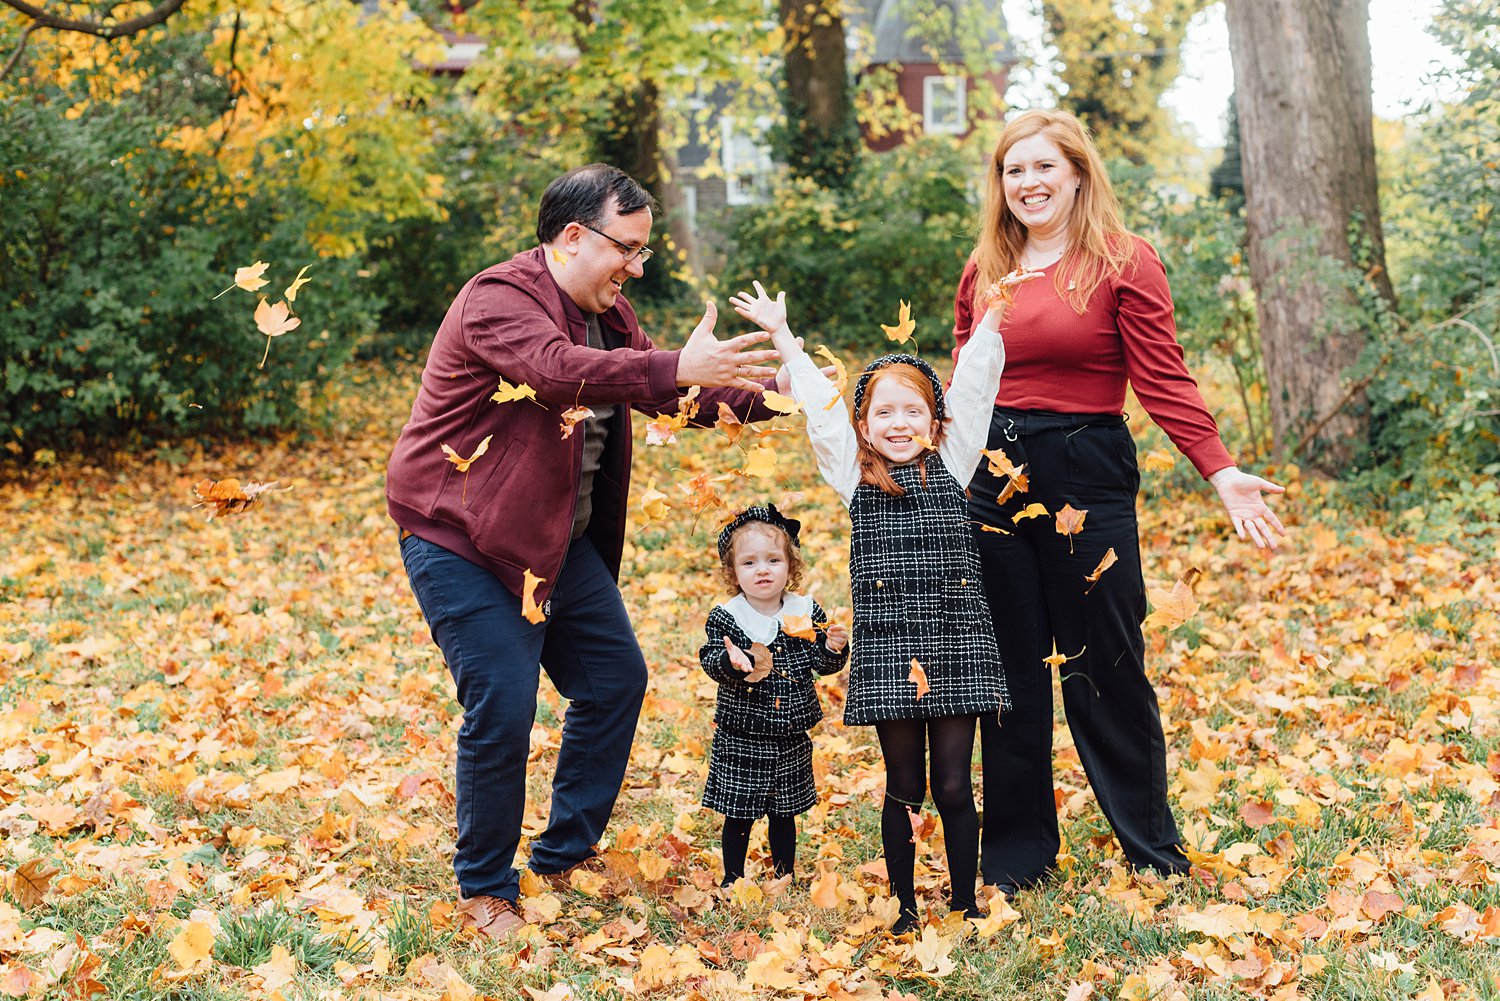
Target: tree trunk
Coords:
[[1302, 82], [821, 140]]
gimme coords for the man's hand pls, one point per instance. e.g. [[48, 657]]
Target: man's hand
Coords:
[[707, 361], [836, 637]]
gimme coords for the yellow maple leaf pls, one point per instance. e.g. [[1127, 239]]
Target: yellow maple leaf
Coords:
[[462, 463], [902, 331], [1109, 559], [559, 258], [290, 295], [780, 404], [841, 375], [508, 393], [824, 891], [1000, 465], [249, 278], [278, 971], [1029, 511], [1172, 608], [274, 321], [800, 626], [654, 503], [1056, 659], [193, 946], [530, 610], [1158, 459], [761, 461]]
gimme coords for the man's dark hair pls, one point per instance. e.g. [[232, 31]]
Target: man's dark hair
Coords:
[[583, 194]]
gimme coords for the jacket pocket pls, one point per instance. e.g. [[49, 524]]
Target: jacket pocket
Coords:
[[478, 496], [963, 600], [878, 604]]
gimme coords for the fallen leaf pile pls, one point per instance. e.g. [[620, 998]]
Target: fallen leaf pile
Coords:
[[226, 759]]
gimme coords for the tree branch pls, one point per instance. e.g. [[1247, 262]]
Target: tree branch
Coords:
[[152, 17], [15, 56]]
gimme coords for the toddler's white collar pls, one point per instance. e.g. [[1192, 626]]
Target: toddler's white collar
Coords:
[[763, 628]]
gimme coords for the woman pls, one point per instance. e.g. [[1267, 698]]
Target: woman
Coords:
[[1102, 315]]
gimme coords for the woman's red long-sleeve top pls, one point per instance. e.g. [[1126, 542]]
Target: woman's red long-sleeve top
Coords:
[[1059, 360]]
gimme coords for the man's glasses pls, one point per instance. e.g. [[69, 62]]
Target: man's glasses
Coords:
[[631, 253]]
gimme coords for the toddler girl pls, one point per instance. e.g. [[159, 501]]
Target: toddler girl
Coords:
[[761, 761], [925, 661]]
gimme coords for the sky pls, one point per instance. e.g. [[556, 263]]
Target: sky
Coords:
[[1402, 53]]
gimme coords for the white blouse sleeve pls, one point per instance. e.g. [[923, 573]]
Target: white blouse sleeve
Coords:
[[828, 427], [970, 401]]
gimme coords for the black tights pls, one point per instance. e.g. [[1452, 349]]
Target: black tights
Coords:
[[904, 744], [780, 831]]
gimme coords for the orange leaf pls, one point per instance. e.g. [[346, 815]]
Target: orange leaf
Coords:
[[653, 502], [800, 626], [918, 677], [30, 882], [1377, 905], [1158, 459], [701, 492], [824, 891], [571, 417], [1070, 522], [1257, 812], [840, 379], [249, 278], [902, 331], [229, 496], [728, 423], [1029, 511], [1109, 560], [290, 295], [761, 654], [1056, 659], [1172, 608], [761, 461], [274, 321], [530, 611], [462, 463]]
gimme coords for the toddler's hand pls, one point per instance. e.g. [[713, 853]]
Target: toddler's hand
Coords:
[[763, 311], [738, 659], [836, 637]]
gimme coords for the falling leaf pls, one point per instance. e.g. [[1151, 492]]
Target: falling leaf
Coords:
[[654, 503], [760, 654], [1172, 608], [840, 378], [1070, 522], [1029, 511], [998, 531], [1056, 660], [761, 461], [462, 463], [290, 295], [800, 626], [274, 321], [1017, 481], [559, 258], [229, 496], [30, 881], [1109, 560], [663, 430], [780, 404], [508, 393], [902, 331], [918, 677], [249, 278], [1158, 459], [571, 417], [530, 610], [729, 423], [701, 492], [924, 441]]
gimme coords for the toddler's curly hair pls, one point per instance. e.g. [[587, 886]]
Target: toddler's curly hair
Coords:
[[794, 562]]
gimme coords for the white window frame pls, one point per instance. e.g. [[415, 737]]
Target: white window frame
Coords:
[[734, 192], [957, 126]]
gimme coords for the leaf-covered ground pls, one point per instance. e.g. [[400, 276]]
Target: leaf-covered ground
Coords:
[[225, 762]]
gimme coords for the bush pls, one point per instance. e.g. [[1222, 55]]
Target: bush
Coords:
[[113, 249], [902, 230]]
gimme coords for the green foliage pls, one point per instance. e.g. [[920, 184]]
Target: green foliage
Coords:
[[246, 940], [114, 246], [901, 231]]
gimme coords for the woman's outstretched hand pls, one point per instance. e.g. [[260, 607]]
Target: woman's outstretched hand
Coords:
[[766, 313], [1240, 493]]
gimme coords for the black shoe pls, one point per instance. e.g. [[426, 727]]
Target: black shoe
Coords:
[[1008, 890], [908, 921], [969, 911]]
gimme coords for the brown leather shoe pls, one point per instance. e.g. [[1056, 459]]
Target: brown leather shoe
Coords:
[[495, 917], [562, 881]]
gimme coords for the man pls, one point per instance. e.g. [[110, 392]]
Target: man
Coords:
[[541, 501]]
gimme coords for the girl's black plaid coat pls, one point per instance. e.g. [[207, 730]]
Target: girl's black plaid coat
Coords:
[[786, 701]]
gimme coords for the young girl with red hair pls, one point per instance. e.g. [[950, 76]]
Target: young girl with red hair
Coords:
[[925, 663]]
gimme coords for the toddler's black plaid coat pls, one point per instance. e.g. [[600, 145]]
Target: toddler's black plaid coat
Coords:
[[915, 580], [783, 703]]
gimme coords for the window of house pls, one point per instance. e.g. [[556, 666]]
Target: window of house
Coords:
[[747, 163], [945, 105]]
